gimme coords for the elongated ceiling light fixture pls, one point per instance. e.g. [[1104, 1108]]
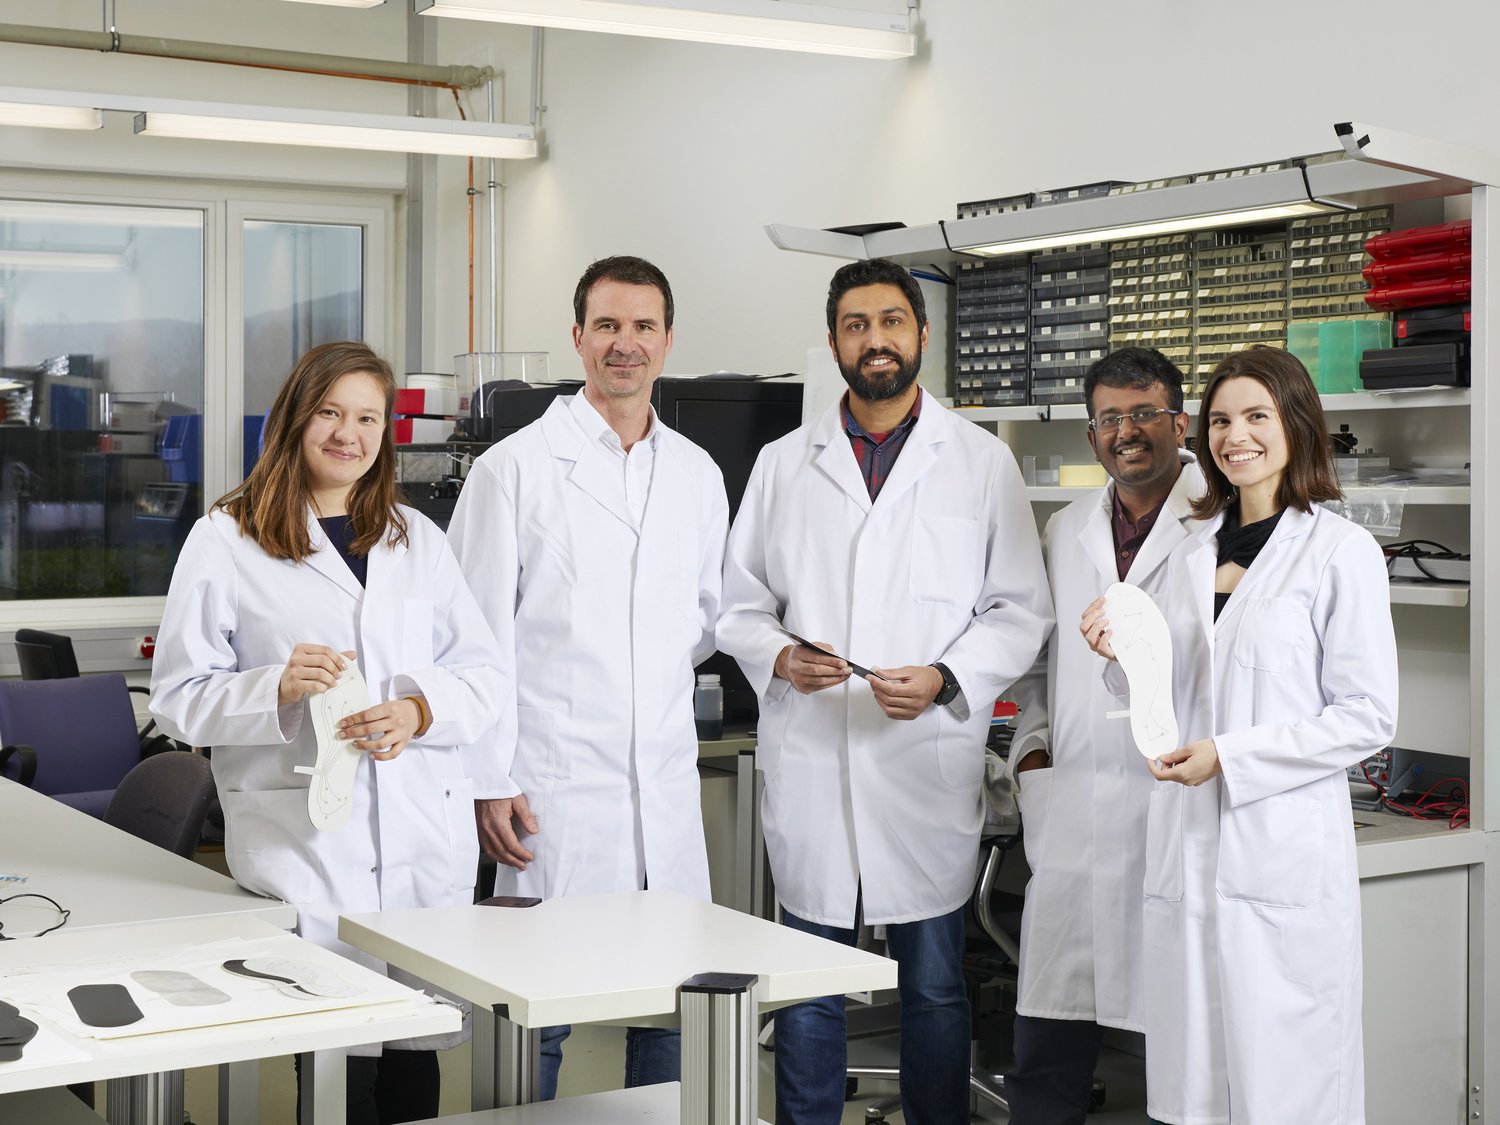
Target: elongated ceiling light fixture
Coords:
[[345, 3], [776, 24], [35, 115], [215, 121], [61, 260], [323, 129]]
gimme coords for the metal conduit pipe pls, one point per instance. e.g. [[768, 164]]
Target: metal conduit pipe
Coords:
[[110, 42]]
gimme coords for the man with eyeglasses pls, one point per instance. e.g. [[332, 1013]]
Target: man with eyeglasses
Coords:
[[1081, 784]]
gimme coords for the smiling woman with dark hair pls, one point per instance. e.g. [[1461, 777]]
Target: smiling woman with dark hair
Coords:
[[1284, 633]]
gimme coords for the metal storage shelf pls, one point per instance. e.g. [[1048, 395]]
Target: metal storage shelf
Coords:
[[1333, 404], [1415, 494]]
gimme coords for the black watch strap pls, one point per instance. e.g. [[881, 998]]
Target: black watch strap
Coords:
[[949, 691]]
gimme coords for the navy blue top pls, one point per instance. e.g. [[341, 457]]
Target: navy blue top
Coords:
[[340, 533]]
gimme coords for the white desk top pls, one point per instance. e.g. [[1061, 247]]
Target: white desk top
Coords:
[[210, 1046], [590, 958], [104, 876]]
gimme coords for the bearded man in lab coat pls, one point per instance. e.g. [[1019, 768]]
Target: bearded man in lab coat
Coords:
[[1082, 786], [593, 540], [892, 532]]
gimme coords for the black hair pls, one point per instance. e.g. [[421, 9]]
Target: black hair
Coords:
[[628, 271], [875, 271], [1139, 368]]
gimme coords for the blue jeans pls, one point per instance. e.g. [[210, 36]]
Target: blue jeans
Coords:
[[811, 1050], [652, 1055]]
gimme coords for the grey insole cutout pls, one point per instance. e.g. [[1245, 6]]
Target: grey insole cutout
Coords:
[[104, 1005], [179, 988], [15, 1032]]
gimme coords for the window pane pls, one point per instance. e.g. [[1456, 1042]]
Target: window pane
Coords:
[[101, 396], [304, 285]]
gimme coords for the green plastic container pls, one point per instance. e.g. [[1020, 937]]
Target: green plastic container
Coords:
[[1341, 343], [1302, 342]]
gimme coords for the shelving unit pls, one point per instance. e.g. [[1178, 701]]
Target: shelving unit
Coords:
[[1430, 897]]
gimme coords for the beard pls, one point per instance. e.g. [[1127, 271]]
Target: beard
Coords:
[[886, 386]]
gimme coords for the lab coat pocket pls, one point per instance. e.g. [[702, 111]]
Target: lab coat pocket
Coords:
[[960, 759], [457, 798], [1164, 842], [416, 634], [1271, 852], [947, 560], [1035, 798], [1268, 634], [271, 846], [536, 745]]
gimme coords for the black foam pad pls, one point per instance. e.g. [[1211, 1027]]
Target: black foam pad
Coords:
[[104, 1005]]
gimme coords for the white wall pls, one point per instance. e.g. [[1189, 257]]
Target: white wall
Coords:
[[682, 152]]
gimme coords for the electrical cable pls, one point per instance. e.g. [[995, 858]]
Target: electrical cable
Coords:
[[1412, 549], [62, 921]]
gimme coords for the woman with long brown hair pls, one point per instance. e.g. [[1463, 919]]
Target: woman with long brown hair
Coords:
[[1286, 657], [309, 567]]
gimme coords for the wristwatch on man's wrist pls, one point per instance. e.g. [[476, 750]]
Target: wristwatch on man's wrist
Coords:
[[949, 691]]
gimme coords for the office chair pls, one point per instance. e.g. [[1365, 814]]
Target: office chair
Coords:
[[50, 656], [82, 731], [164, 801], [45, 656]]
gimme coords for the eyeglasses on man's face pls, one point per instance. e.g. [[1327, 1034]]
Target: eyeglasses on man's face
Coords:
[[1106, 423]]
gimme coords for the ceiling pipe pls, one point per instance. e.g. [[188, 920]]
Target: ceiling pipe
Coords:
[[381, 70]]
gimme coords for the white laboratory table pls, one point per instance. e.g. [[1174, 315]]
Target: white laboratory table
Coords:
[[104, 876], [641, 957], [109, 879], [311, 1033]]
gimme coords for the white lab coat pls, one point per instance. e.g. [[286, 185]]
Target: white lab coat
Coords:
[[944, 566], [232, 618], [1252, 930], [1084, 816], [601, 737]]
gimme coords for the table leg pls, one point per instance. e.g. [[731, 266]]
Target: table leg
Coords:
[[145, 1099], [518, 1063], [720, 1070], [239, 1093], [482, 1060], [745, 834], [324, 1092]]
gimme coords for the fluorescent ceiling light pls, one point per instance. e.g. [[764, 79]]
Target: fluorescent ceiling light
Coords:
[[60, 260], [1146, 230], [777, 24], [322, 129], [100, 215], [345, 3], [33, 115], [215, 121]]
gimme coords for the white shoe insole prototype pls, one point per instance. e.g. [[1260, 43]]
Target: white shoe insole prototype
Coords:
[[1143, 646], [330, 797]]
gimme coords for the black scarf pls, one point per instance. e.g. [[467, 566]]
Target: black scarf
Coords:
[[1242, 544]]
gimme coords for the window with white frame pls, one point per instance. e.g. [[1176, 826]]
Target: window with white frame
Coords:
[[142, 339]]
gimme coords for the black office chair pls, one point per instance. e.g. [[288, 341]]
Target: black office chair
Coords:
[[164, 801], [45, 656]]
